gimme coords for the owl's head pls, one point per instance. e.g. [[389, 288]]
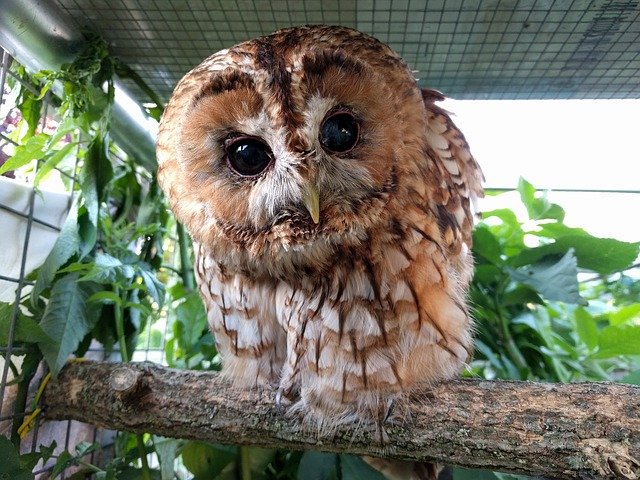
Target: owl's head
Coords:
[[284, 148]]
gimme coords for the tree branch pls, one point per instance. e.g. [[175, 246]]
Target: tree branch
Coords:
[[583, 430]]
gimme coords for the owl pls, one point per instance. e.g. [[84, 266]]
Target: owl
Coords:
[[330, 202]]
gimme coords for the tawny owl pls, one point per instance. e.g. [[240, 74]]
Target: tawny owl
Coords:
[[330, 204]]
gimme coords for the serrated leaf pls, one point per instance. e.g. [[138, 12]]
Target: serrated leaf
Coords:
[[618, 340], [317, 466], [52, 161], [602, 255], [538, 206], [625, 314], [65, 247], [155, 288], [10, 466], [66, 320], [486, 245], [166, 448], [553, 280], [26, 328], [586, 328], [33, 149]]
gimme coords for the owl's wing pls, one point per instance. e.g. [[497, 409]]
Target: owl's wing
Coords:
[[461, 175]]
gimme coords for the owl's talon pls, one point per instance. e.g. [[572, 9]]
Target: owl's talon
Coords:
[[279, 401]]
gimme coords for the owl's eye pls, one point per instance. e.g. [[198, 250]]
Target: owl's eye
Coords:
[[247, 156], [339, 132]]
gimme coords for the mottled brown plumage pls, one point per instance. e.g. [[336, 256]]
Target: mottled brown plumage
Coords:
[[345, 314]]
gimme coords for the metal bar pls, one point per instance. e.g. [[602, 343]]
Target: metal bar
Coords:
[[26, 215], [26, 85], [3, 73], [15, 280], [569, 190], [3, 136]]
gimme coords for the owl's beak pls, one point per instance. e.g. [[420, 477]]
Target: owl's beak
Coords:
[[311, 200]]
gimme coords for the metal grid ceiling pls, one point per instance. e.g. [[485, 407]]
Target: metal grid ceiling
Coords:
[[503, 49]]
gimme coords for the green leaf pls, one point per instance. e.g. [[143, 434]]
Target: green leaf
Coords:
[[26, 328], [166, 449], [155, 288], [105, 297], [355, 468], [553, 280], [602, 255], [33, 149], [66, 320], [53, 159], [632, 378], [486, 245], [586, 328], [625, 314], [65, 247], [206, 460], [317, 466], [11, 466], [538, 206], [618, 340], [30, 106]]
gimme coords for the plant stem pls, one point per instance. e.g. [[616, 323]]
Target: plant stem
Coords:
[[245, 464], [124, 355], [185, 262], [512, 349]]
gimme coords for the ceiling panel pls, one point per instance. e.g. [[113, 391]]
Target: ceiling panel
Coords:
[[467, 49]]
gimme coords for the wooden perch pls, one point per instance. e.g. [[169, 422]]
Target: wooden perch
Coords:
[[582, 430]]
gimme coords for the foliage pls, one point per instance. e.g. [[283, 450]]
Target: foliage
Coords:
[[551, 301]]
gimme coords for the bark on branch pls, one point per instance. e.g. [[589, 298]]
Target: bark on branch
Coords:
[[584, 430]]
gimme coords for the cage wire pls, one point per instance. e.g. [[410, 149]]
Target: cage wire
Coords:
[[21, 200]]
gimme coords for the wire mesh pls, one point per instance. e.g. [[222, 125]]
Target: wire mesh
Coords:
[[467, 49]]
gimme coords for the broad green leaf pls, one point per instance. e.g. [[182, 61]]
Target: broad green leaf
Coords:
[[633, 378], [586, 328], [625, 314], [105, 297], [66, 320], [65, 247], [207, 460], [538, 206], [11, 466], [30, 107], [553, 280], [317, 466], [355, 468], [53, 159], [31, 150], [618, 340], [486, 245], [107, 269], [602, 255], [166, 448], [155, 288], [26, 328]]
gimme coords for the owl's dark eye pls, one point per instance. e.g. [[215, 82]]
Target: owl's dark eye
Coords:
[[339, 132], [247, 156]]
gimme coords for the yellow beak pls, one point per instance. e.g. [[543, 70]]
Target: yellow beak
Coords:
[[311, 200]]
